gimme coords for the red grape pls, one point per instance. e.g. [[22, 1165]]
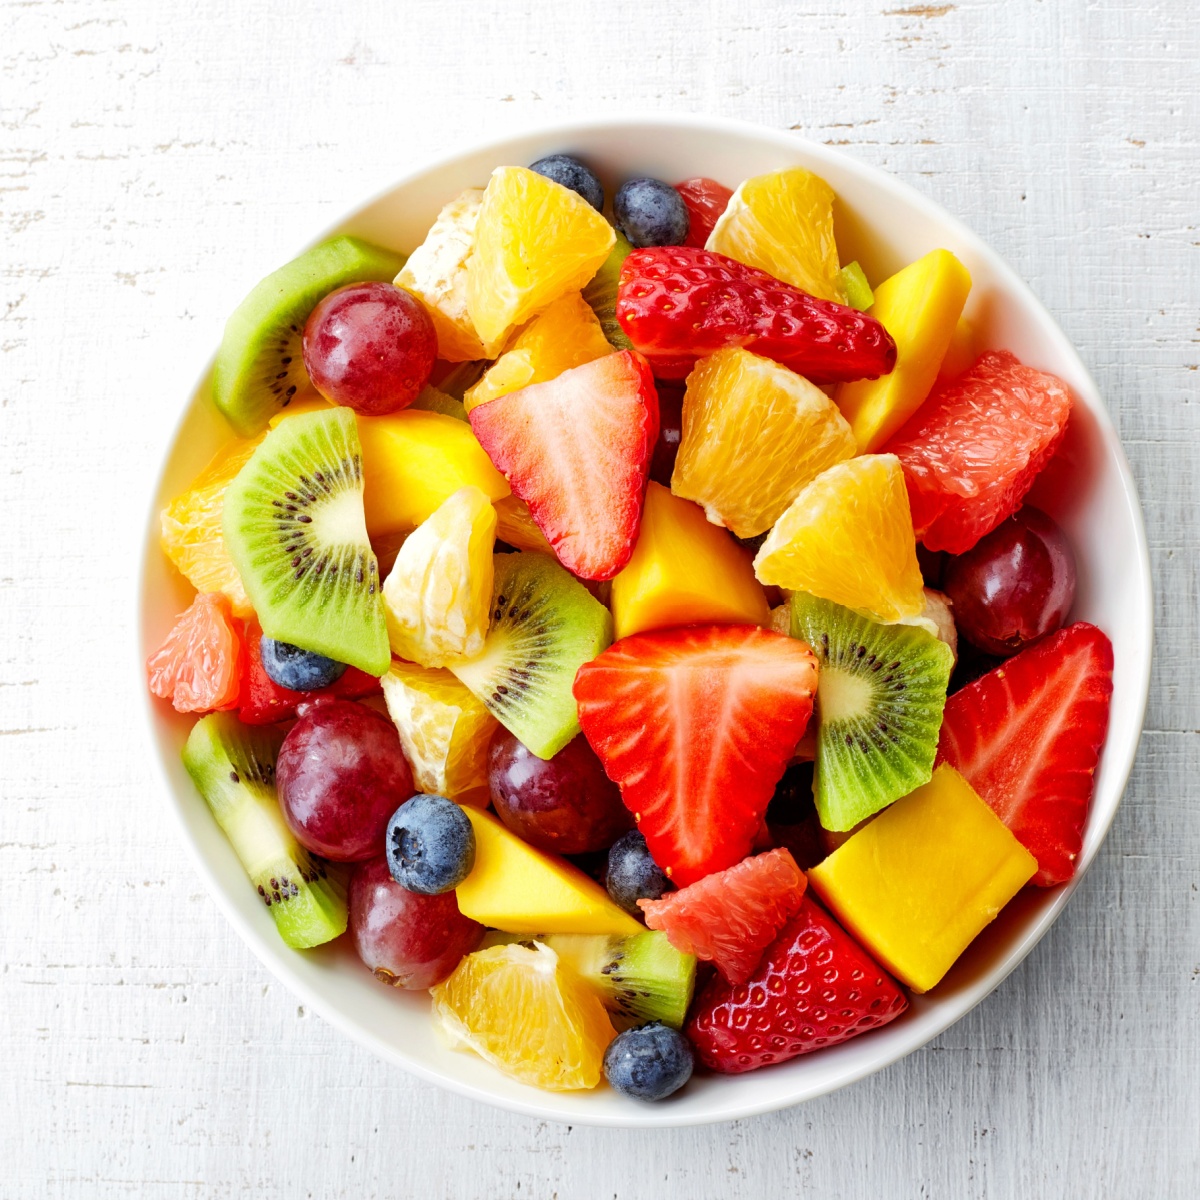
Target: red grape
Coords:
[[341, 774], [370, 346], [565, 804], [407, 940], [1015, 585], [670, 429]]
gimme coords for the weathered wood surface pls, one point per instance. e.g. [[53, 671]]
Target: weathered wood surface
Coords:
[[156, 157]]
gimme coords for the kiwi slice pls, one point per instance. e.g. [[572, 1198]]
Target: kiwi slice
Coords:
[[260, 365], [545, 626], [640, 978], [295, 529], [601, 293], [233, 765], [433, 399], [880, 694]]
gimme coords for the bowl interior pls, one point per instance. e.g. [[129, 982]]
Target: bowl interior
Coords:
[[1087, 488]]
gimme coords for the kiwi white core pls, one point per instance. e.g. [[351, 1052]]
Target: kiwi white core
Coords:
[[841, 695]]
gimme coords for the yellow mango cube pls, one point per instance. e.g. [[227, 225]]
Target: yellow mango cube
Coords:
[[918, 883], [518, 889], [414, 461], [684, 571], [920, 307]]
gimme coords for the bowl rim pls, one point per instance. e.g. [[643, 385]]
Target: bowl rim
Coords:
[[645, 1116]]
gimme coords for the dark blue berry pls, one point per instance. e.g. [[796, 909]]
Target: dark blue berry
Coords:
[[430, 845], [650, 213], [296, 669], [632, 874], [793, 798], [571, 173], [648, 1063]]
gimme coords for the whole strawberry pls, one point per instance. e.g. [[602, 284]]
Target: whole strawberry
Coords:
[[815, 987], [679, 303]]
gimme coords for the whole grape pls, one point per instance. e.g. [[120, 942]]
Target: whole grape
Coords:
[[341, 773], [407, 940]]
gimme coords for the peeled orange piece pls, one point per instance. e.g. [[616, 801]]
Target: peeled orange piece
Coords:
[[534, 241], [437, 596], [567, 334], [436, 271], [848, 537], [517, 1006], [782, 223], [516, 526], [444, 729], [754, 433], [191, 535]]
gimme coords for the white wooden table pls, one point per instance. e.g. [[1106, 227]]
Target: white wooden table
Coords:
[[157, 157]]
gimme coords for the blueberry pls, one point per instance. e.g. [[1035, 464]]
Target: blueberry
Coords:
[[430, 845], [571, 173], [649, 1062], [650, 213], [632, 874], [296, 669]]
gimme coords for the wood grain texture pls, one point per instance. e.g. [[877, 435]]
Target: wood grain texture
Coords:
[[156, 158]]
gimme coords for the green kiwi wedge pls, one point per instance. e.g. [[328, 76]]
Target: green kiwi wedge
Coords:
[[433, 399], [295, 530], [601, 293], [638, 979], [545, 626], [233, 766], [880, 694], [260, 365]]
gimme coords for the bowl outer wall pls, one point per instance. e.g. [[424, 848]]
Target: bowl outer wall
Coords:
[[884, 223]]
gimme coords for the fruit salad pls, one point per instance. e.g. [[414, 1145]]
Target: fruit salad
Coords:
[[623, 620]]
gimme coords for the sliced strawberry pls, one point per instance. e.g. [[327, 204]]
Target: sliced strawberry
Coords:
[[815, 987], [199, 666], [577, 450], [706, 200], [696, 725], [1027, 737], [263, 701], [729, 918], [679, 303]]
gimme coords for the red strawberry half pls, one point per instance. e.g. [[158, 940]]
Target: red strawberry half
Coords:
[[577, 450], [815, 987], [263, 701], [1027, 737], [679, 303], [697, 725], [731, 917]]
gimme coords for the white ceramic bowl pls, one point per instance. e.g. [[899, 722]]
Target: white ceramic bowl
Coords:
[[884, 224]]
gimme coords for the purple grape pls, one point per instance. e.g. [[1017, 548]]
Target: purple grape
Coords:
[[341, 774]]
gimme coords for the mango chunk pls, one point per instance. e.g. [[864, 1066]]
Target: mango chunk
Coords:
[[414, 461], [918, 883], [518, 889], [919, 306], [684, 571]]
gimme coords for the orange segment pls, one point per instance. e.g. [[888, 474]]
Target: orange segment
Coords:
[[754, 433], [191, 535], [782, 223], [436, 271], [517, 1006], [848, 537], [516, 526], [444, 729], [534, 240], [437, 597], [919, 306], [568, 334], [684, 571]]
